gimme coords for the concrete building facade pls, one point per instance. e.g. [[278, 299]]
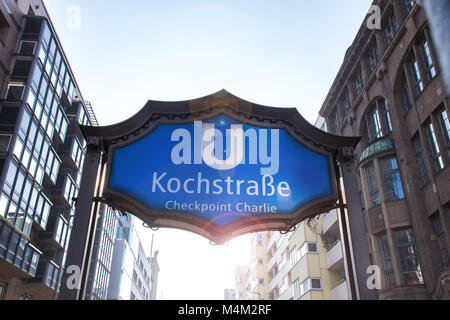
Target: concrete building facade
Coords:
[[390, 91]]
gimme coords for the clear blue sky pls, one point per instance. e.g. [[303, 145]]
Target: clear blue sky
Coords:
[[278, 53]]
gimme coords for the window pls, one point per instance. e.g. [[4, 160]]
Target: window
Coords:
[[27, 48], [359, 83], [427, 59], [15, 91], [316, 284], [294, 257], [307, 248], [409, 261], [434, 147], [407, 100], [376, 130], [2, 290], [386, 116], [379, 120], [259, 238], [421, 159], [283, 260], [391, 28], [346, 101], [445, 126], [25, 296], [284, 285], [374, 56], [441, 238], [333, 121], [409, 4], [372, 186], [296, 290], [392, 182], [386, 260], [5, 140], [418, 84], [312, 247], [309, 285]]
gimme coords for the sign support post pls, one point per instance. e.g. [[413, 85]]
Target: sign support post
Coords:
[[352, 218], [73, 286]]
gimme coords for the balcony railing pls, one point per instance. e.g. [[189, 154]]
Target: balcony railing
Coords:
[[334, 254], [47, 274], [340, 291], [329, 219]]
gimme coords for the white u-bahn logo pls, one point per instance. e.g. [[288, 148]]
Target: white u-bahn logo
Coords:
[[209, 147]]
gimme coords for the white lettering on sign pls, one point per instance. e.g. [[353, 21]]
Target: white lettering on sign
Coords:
[[199, 185]]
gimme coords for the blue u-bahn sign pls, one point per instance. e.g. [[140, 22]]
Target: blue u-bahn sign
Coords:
[[219, 166], [220, 170]]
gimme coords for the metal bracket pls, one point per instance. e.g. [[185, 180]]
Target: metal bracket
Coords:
[[146, 225]]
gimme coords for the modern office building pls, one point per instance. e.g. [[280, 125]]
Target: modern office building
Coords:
[[41, 151], [102, 253], [390, 91], [134, 276]]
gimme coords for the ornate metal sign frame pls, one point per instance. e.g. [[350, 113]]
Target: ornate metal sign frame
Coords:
[[156, 113]]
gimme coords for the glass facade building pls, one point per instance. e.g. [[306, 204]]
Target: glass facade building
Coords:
[[134, 276], [41, 160], [101, 259]]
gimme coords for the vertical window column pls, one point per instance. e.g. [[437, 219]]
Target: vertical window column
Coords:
[[408, 257], [428, 56], [392, 181], [444, 121], [406, 93], [438, 162], [372, 186], [416, 73], [441, 238], [420, 155], [386, 261]]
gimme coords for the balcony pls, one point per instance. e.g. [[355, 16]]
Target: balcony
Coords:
[[329, 219], [340, 292], [65, 151], [55, 236], [20, 256], [334, 255], [379, 146], [46, 279]]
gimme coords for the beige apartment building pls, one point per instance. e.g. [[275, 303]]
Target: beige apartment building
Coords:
[[306, 264]]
